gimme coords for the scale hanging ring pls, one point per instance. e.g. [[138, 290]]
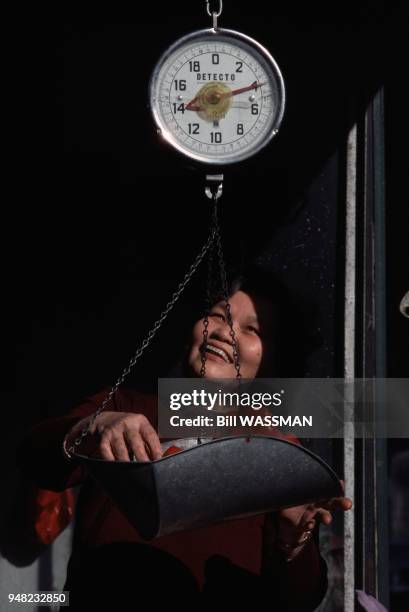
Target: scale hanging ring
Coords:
[[211, 13]]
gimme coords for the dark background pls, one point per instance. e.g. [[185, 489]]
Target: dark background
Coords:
[[110, 219], [103, 220]]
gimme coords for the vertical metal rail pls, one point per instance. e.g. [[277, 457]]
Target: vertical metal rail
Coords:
[[349, 366], [371, 572], [380, 444], [366, 545]]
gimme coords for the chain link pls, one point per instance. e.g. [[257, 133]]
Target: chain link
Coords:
[[214, 195], [216, 13], [213, 243], [175, 296], [225, 290], [225, 294], [209, 287]]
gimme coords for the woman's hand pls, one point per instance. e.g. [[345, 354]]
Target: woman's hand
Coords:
[[296, 524], [118, 436]]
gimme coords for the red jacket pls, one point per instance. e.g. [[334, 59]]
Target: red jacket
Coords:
[[246, 544]]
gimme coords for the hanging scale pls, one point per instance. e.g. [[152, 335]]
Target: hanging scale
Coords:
[[217, 96]]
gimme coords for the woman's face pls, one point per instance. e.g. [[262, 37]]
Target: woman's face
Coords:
[[253, 326]]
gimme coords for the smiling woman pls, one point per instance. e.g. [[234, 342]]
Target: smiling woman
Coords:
[[239, 560], [253, 324], [268, 325]]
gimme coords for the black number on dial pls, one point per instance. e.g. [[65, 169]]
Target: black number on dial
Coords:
[[180, 108], [194, 66], [193, 128], [215, 58], [180, 85], [216, 137], [239, 66], [254, 109], [240, 129]]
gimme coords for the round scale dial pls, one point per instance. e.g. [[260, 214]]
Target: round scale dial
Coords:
[[217, 96]]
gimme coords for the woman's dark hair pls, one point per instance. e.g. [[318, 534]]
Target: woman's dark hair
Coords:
[[293, 339], [292, 336]]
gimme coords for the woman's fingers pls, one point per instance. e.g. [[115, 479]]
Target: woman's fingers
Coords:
[[323, 512], [119, 447], [137, 446], [118, 436], [298, 519], [143, 442], [151, 439], [122, 436], [105, 450], [337, 503], [312, 517], [308, 524], [324, 516], [341, 503]]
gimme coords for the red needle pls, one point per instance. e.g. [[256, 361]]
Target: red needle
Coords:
[[234, 92], [191, 105], [194, 107]]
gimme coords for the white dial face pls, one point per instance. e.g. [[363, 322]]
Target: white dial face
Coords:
[[217, 97]]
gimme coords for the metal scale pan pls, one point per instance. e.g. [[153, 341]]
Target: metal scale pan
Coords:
[[223, 479]]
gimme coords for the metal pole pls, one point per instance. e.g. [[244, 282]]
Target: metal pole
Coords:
[[380, 451], [349, 367]]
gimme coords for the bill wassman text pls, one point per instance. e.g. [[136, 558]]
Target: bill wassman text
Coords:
[[241, 420]]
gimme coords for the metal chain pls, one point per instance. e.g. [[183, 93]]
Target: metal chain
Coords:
[[175, 296], [206, 314], [226, 297], [214, 14], [209, 287], [211, 13], [225, 292]]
